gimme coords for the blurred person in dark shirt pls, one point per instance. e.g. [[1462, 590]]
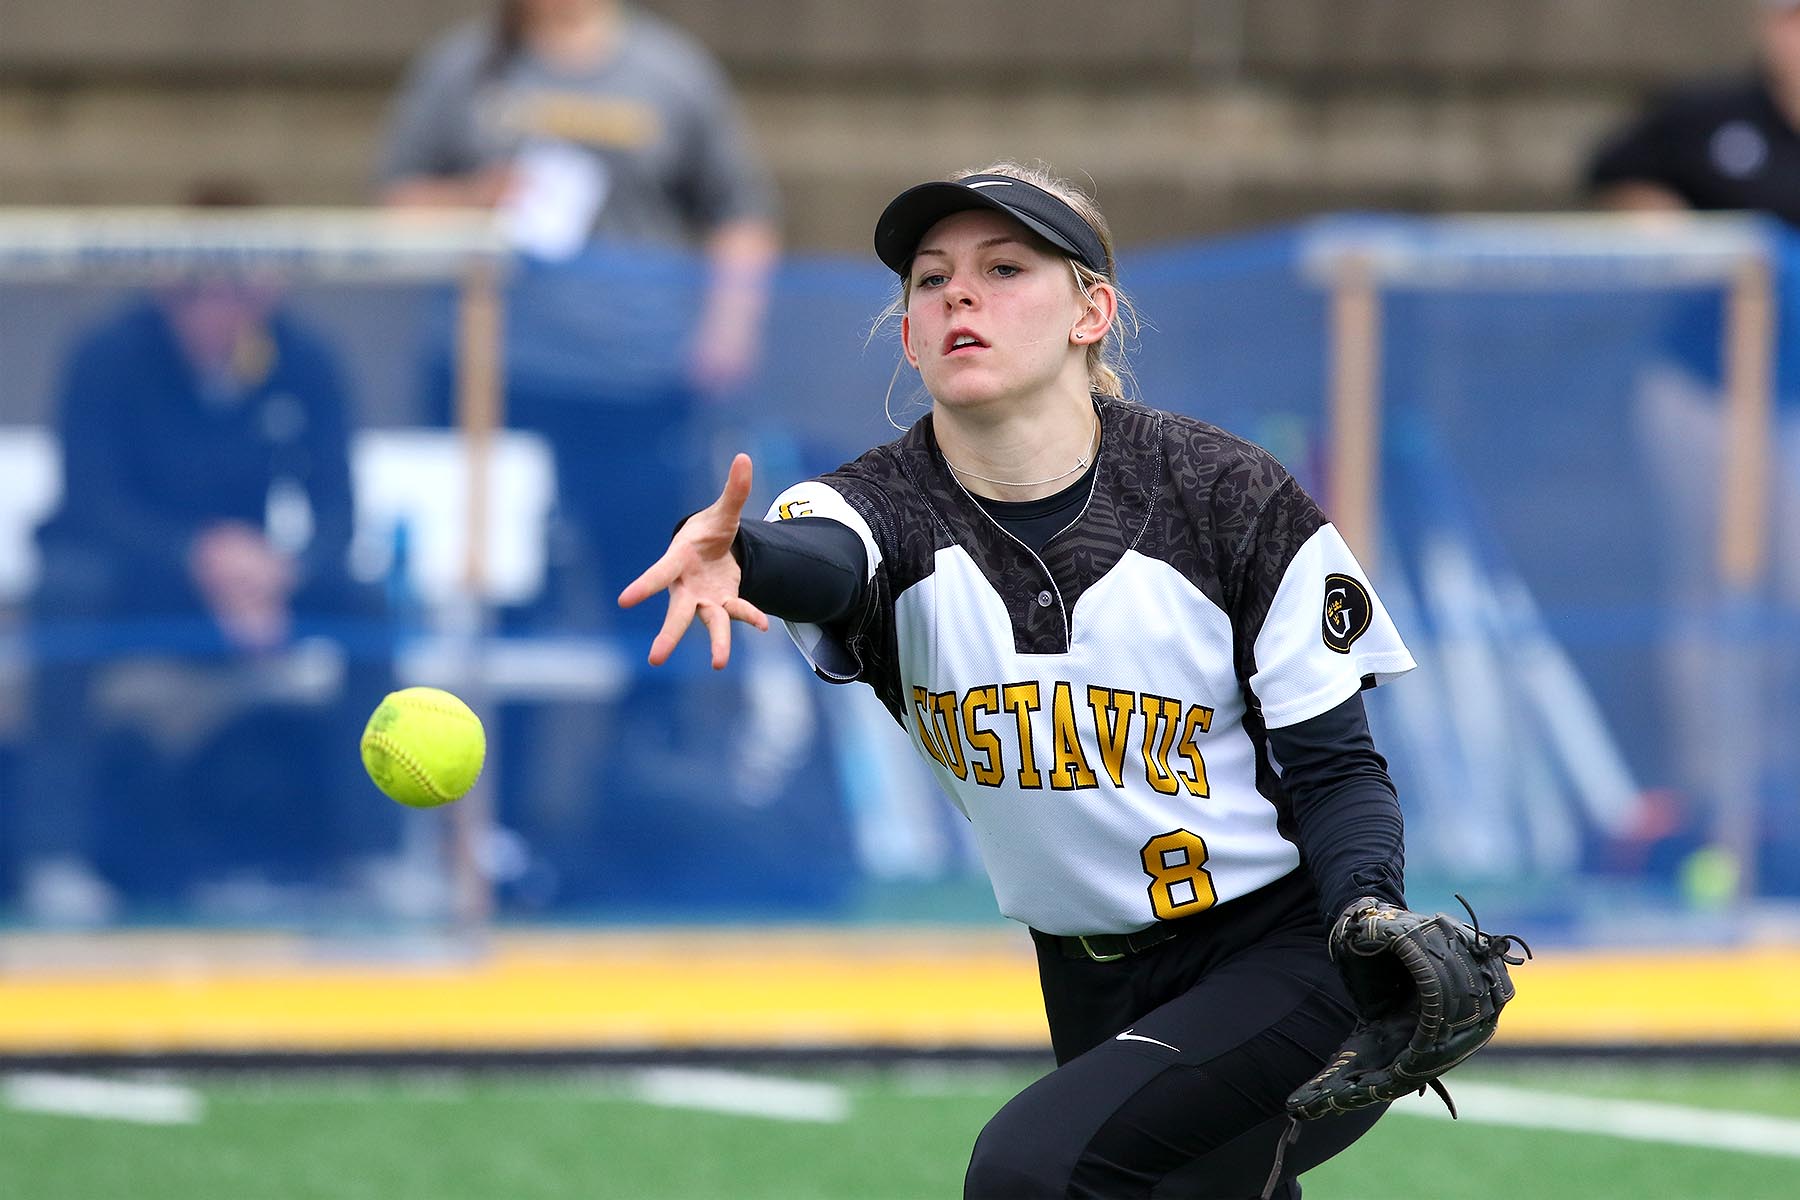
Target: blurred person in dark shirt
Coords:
[[206, 517], [1720, 145], [184, 419], [1717, 145]]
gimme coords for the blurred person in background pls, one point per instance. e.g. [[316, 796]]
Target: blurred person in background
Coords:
[[586, 124], [1718, 145], [206, 517], [611, 147], [587, 119]]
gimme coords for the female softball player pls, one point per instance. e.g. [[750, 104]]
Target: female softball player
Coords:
[[1132, 650]]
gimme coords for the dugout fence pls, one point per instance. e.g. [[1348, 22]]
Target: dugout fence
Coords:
[[1565, 447]]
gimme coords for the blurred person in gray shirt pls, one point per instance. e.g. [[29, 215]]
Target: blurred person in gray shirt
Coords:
[[612, 151], [588, 119]]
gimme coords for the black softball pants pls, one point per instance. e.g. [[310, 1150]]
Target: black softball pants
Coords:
[[1174, 1063]]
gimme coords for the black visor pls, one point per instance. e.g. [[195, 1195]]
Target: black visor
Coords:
[[913, 212]]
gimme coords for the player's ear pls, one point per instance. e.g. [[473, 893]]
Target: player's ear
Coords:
[[1102, 306], [906, 342]]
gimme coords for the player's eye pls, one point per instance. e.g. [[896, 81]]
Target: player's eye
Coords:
[[931, 279], [1005, 270]]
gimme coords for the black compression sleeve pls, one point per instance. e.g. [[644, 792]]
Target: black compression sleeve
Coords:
[[810, 569], [1346, 815]]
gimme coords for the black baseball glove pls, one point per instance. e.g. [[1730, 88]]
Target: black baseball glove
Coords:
[[1428, 992]]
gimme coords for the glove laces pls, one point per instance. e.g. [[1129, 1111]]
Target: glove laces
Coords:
[[1288, 1137], [1495, 943]]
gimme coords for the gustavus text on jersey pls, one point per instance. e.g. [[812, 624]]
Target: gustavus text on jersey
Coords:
[[1058, 735]]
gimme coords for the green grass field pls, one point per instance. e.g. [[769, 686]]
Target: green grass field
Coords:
[[905, 1134]]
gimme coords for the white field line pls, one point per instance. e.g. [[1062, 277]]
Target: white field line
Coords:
[[741, 1094], [1638, 1120], [102, 1099]]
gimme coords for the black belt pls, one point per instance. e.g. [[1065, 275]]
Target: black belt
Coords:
[[1288, 903], [1110, 947]]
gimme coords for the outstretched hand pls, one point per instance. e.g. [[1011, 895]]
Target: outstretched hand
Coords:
[[701, 575]]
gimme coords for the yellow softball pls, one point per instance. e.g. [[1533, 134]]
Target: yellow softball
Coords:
[[423, 747]]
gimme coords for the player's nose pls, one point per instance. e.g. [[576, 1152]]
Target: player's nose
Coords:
[[957, 291]]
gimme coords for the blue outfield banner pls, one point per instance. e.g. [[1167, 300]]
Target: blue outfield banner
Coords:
[[1600, 718]]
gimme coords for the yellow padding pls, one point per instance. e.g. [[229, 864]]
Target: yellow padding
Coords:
[[740, 987], [751, 987], [1688, 996]]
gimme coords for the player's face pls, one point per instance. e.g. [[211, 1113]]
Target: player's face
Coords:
[[991, 313]]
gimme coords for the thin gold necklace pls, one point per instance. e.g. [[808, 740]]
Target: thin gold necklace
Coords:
[[1081, 464]]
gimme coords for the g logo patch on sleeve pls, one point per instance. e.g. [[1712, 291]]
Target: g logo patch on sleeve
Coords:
[[1348, 611]]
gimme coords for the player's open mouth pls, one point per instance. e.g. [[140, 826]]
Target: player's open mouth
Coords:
[[962, 340]]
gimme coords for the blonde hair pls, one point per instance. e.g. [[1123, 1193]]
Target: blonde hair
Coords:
[[1106, 366]]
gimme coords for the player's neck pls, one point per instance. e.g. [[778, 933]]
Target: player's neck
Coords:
[[1019, 455]]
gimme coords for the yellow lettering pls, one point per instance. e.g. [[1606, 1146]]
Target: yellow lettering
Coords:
[[1112, 723], [795, 508], [943, 705], [1070, 769], [1161, 717], [982, 740], [1021, 700], [952, 730], [922, 718], [1199, 720]]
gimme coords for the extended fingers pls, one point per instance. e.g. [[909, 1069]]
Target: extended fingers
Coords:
[[737, 488], [719, 626], [675, 624], [740, 609], [661, 574], [718, 619]]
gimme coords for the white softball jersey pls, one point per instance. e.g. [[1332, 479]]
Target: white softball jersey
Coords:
[[1098, 711]]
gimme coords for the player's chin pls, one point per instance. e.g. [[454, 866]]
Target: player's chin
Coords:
[[967, 388]]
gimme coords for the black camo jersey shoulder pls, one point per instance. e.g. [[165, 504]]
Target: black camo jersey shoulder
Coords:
[[1218, 509], [1243, 519]]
